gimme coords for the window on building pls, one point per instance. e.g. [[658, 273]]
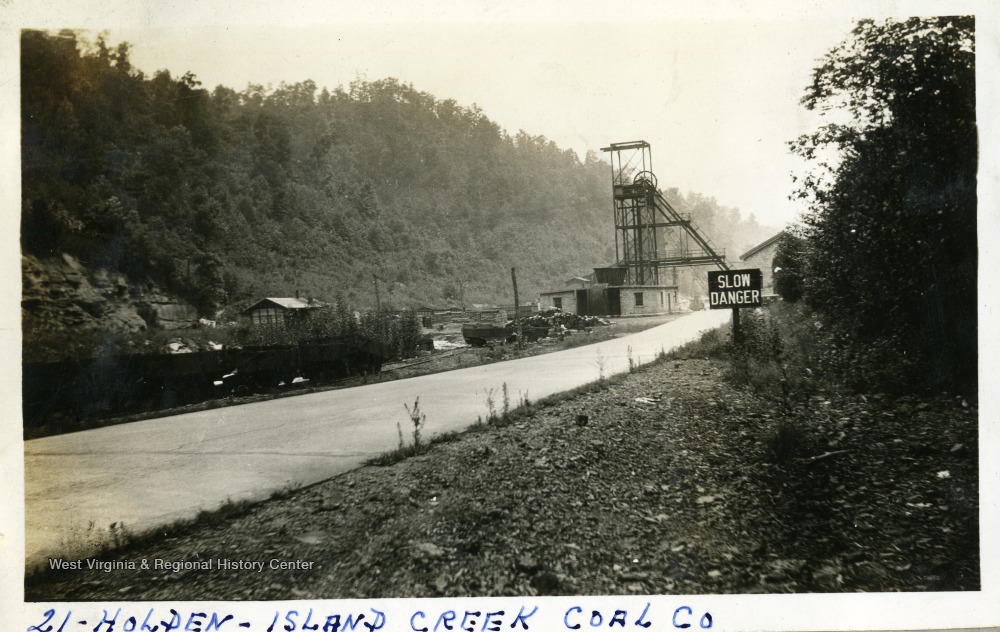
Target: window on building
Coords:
[[661, 299], [268, 316], [638, 299], [557, 302]]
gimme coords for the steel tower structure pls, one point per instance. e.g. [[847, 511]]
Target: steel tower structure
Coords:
[[650, 235]]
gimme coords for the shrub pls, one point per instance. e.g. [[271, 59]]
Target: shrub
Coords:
[[713, 343], [756, 360], [789, 352], [789, 262]]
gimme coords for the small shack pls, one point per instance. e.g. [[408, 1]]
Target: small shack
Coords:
[[279, 312]]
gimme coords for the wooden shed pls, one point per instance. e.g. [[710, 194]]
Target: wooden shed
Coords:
[[277, 312]]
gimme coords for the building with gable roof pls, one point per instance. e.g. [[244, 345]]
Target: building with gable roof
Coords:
[[278, 312], [762, 256]]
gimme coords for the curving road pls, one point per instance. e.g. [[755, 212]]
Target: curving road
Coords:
[[149, 473]]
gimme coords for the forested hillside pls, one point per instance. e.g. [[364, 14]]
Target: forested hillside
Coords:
[[221, 196]]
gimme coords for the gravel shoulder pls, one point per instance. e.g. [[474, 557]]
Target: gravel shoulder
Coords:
[[666, 481]]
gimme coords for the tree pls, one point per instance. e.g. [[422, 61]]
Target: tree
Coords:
[[220, 195], [789, 259], [892, 221]]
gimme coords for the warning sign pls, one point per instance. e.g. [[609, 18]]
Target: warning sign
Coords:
[[731, 289]]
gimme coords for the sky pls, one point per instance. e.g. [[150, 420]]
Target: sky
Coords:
[[717, 99]]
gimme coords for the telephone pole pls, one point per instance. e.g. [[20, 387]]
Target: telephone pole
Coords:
[[517, 311]]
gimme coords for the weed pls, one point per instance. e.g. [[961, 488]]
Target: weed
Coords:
[[418, 418], [403, 451], [446, 437], [631, 360], [94, 540], [118, 535], [491, 415], [281, 494], [227, 511], [393, 456], [506, 402], [601, 365]]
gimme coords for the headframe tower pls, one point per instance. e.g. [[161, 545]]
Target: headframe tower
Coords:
[[650, 235]]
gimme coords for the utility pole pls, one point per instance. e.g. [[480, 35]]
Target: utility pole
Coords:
[[517, 311], [378, 300]]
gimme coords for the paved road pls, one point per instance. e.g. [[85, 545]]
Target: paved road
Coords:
[[149, 473]]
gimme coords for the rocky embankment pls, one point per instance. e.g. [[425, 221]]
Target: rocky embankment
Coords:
[[667, 481], [63, 303]]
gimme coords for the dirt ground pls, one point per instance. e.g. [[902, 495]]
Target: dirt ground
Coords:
[[666, 481]]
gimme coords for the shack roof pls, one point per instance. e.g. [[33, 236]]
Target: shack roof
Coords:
[[284, 303]]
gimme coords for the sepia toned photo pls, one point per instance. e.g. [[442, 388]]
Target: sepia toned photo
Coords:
[[500, 309]]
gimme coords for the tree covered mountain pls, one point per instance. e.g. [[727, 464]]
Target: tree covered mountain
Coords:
[[223, 196]]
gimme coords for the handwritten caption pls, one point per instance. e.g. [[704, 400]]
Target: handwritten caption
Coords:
[[527, 617]]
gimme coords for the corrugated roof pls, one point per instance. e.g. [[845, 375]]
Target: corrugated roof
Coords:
[[290, 303]]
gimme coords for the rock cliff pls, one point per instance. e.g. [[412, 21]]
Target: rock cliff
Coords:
[[69, 310]]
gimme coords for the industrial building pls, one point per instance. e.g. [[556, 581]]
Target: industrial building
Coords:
[[651, 241], [588, 297], [762, 256]]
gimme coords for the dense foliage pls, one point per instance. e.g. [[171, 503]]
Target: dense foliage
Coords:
[[788, 264], [890, 256], [224, 196]]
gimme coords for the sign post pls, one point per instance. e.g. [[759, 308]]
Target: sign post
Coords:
[[735, 289]]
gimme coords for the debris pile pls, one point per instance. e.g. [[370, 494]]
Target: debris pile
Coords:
[[554, 317], [187, 345]]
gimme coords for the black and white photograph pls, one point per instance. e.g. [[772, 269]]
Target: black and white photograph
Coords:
[[581, 310]]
